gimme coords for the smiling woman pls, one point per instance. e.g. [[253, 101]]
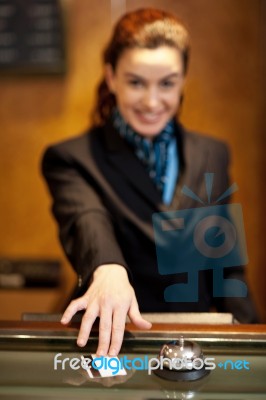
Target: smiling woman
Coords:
[[147, 85], [146, 38], [107, 184]]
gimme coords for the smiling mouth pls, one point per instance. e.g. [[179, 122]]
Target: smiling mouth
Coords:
[[149, 117]]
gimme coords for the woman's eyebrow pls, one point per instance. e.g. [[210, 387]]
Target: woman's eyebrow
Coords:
[[169, 76], [132, 75], [172, 75]]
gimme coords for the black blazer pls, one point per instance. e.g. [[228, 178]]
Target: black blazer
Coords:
[[103, 201]]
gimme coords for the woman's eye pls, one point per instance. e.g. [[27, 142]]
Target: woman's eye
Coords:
[[135, 83], [167, 84]]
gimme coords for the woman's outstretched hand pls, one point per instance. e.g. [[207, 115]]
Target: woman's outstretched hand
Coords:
[[111, 298]]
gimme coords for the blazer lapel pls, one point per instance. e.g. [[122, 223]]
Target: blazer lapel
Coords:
[[122, 157], [192, 161], [193, 166]]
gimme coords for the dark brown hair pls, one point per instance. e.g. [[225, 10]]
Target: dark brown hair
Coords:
[[145, 28]]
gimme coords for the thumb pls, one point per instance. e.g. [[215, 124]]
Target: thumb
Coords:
[[136, 317]]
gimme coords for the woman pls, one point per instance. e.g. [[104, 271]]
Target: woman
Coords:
[[107, 183]]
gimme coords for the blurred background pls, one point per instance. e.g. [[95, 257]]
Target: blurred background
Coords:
[[42, 102]]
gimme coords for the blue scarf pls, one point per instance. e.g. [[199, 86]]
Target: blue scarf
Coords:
[[159, 155]]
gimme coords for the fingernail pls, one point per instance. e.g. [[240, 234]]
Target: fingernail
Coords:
[[100, 353], [63, 320], [81, 342]]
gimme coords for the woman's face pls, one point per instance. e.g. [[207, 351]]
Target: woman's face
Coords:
[[147, 84]]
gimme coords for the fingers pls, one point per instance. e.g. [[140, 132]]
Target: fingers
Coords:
[[105, 329], [75, 306], [136, 317], [111, 328], [112, 313], [118, 328], [111, 331], [87, 321]]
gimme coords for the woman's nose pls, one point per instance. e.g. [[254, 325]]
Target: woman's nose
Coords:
[[151, 98]]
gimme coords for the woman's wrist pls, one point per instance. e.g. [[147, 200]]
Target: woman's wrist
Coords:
[[109, 268]]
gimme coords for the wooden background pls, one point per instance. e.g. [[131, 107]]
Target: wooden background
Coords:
[[224, 98]]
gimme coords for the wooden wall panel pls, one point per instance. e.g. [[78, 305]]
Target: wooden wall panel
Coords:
[[224, 98]]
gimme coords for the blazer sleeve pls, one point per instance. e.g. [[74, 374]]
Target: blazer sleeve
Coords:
[[85, 226]]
